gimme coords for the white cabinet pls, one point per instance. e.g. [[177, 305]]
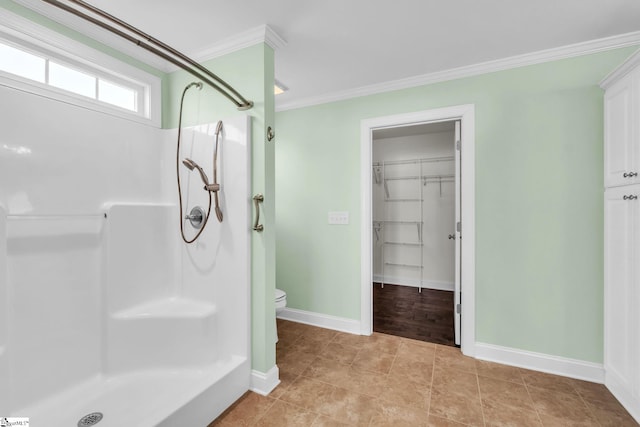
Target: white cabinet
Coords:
[[622, 234], [622, 291], [621, 164]]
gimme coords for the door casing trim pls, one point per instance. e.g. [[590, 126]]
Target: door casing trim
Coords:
[[466, 114]]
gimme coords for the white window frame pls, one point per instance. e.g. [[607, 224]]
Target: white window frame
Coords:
[[28, 36]]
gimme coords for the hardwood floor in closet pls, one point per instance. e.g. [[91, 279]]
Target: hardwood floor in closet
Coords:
[[405, 312]]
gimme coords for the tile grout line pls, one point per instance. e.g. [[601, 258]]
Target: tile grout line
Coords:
[[484, 420], [317, 414], [433, 374], [587, 406], [255, 422], [287, 389], [526, 386], [388, 374]]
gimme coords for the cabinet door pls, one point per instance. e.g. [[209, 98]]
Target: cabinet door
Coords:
[[622, 225], [620, 163]]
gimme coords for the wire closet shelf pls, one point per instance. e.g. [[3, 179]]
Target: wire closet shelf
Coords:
[[380, 177]]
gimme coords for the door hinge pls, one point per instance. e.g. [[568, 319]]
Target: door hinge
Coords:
[[458, 308], [458, 226], [458, 145]]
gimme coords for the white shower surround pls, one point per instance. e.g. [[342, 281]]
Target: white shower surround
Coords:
[[115, 313]]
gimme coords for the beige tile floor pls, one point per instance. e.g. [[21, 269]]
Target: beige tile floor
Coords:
[[331, 378]]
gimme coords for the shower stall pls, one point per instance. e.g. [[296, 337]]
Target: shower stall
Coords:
[[106, 315]]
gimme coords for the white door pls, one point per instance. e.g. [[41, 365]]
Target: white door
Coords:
[[457, 308], [621, 243]]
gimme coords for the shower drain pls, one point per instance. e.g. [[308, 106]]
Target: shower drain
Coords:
[[90, 420]]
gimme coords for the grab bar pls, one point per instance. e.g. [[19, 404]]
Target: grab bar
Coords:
[[257, 199]]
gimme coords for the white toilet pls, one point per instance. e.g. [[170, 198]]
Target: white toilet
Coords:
[[281, 303], [281, 300]]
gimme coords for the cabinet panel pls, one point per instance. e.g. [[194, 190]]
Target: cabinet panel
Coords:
[[619, 156], [622, 245], [622, 234]]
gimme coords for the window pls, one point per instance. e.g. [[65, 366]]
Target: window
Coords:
[[38, 60], [111, 93], [75, 78], [21, 63]]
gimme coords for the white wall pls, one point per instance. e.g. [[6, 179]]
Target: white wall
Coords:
[[437, 214], [61, 159], [216, 267], [59, 165], [4, 315]]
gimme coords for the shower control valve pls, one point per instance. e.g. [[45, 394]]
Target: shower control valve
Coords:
[[196, 217]]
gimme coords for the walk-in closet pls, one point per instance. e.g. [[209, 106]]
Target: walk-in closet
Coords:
[[414, 205]]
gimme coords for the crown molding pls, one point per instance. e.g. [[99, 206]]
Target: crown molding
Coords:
[[631, 63], [542, 56], [260, 34]]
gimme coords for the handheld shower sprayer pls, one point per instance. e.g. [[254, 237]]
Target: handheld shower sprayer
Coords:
[[191, 165]]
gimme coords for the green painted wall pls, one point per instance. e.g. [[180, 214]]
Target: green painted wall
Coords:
[[250, 71], [539, 195]]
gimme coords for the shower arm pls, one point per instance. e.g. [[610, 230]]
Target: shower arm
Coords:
[[178, 58]]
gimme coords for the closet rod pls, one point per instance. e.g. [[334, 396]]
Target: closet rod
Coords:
[[398, 222], [402, 243], [175, 57], [403, 265], [415, 161], [402, 178]]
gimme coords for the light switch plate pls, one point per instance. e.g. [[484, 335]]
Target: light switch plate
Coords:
[[339, 218]]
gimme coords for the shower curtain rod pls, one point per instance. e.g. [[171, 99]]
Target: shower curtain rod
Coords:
[[178, 58]]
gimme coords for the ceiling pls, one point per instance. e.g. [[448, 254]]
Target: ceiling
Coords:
[[338, 45]]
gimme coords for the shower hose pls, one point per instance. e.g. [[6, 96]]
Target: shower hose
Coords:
[[206, 218]]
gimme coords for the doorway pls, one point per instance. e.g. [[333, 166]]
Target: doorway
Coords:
[[415, 201], [464, 262]]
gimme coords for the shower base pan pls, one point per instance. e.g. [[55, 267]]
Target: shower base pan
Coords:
[[145, 399]]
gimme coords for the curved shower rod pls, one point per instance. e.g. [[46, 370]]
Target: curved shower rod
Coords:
[[178, 58]]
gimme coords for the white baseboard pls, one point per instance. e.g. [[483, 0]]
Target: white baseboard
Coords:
[[264, 383], [557, 365], [621, 392], [322, 320], [404, 281]]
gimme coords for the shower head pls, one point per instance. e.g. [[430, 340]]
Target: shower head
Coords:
[[191, 165], [219, 127]]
